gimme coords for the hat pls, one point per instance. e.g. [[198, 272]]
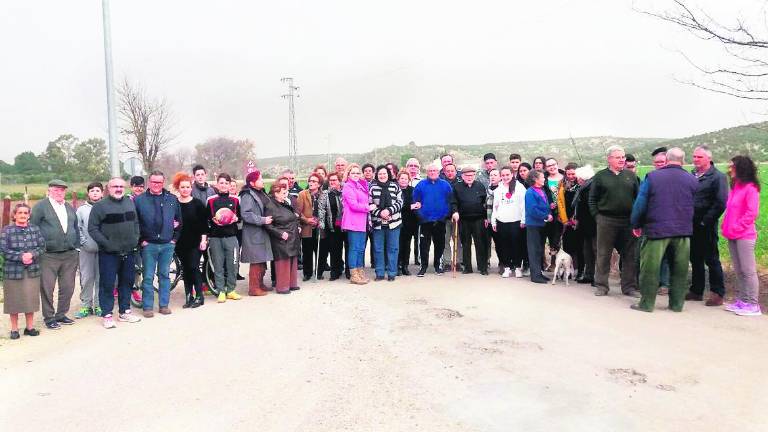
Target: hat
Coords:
[[57, 183], [468, 169], [659, 150], [489, 156], [252, 176]]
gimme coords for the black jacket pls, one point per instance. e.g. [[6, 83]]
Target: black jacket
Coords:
[[586, 222], [469, 201], [711, 196], [284, 219]]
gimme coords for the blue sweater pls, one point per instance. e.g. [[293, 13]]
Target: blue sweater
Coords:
[[435, 198], [536, 208]]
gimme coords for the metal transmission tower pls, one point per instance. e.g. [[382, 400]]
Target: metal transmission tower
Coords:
[[292, 147]]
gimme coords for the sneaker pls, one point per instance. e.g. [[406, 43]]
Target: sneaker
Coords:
[[526, 272], [136, 295], [507, 272], [222, 297], [108, 322], [97, 311], [128, 317], [83, 312], [232, 295], [731, 307], [65, 320], [518, 273], [748, 309], [31, 332], [421, 272]]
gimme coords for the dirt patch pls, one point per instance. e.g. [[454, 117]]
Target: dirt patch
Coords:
[[445, 313], [417, 301], [628, 376], [666, 387], [532, 346]]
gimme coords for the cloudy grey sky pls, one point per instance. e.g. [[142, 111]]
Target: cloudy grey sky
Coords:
[[371, 74]]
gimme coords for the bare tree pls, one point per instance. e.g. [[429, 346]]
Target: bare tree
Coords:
[[743, 68], [146, 124], [222, 154], [174, 160]]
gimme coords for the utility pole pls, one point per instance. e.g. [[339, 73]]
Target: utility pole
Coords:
[[292, 147], [114, 161]]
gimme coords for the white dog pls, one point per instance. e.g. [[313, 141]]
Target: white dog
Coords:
[[563, 267]]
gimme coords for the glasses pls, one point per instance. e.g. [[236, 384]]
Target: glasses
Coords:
[[413, 165], [156, 182], [117, 187], [355, 172]]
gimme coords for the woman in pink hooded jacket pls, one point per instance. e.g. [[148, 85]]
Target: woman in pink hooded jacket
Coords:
[[738, 227], [354, 222]]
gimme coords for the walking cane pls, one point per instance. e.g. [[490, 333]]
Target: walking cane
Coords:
[[454, 258], [317, 256]]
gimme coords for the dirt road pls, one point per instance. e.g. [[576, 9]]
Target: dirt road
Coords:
[[434, 354]]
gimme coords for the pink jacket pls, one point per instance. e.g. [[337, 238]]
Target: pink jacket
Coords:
[[354, 198], [741, 212]]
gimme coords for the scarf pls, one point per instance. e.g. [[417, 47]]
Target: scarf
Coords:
[[385, 201]]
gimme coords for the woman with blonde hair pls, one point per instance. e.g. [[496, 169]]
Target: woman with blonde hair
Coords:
[[355, 221]]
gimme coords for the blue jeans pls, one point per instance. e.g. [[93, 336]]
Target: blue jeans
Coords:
[[389, 239], [356, 253], [156, 257]]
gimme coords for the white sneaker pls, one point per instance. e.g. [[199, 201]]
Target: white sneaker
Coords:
[[526, 272], [128, 317], [507, 272], [518, 273], [108, 323]]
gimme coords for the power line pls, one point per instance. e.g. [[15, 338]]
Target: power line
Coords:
[[292, 147]]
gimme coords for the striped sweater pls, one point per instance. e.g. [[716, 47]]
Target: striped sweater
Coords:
[[374, 197]]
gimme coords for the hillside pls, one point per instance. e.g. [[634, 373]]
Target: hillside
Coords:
[[747, 139]]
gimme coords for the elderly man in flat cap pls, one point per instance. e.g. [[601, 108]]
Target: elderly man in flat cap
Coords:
[[57, 221], [468, 209]]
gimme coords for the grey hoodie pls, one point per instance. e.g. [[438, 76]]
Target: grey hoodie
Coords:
[[87, 243]]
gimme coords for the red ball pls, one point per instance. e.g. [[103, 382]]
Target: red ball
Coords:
[[225, 216]]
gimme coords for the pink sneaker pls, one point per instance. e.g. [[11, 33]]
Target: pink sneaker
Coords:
[[733, 306], [136, 294], [748, 309]]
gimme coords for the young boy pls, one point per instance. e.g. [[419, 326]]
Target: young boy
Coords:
[[222, 239], [89, 256]]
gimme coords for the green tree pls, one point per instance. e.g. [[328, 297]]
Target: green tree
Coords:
[[89, 159], [27, 163], [58, 154], [6, 168]]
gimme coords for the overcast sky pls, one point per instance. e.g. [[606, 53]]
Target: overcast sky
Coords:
[[371, 74]]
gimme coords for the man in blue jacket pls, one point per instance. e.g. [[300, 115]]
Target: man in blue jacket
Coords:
[[159, 216], [432, 202], [663, 211]]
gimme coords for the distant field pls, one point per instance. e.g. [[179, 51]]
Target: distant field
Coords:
[[761, 249]]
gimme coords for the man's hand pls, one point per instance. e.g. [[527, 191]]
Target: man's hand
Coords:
[[493, 227], [144, 243], [175, 224], [267, 220], [522, 226], [455, 217], [203, 245], [637, 232]]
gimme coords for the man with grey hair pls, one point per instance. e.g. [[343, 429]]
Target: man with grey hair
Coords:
[[611, 197], [585, 223], [293, 185], [663, 212], [708, 206]]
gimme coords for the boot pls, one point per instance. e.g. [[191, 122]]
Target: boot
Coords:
[[199, 298], [363, 277], [354, 279], [256, 280], [188, 299]]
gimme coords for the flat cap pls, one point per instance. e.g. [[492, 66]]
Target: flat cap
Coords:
[[57, 182], [468, 169]]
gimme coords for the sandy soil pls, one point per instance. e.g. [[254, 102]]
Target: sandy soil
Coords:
[[421, 354]]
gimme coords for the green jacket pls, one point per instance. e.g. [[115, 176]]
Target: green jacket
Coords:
[[56, 240]]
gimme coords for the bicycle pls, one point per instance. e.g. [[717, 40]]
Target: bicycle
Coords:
[[176, 275]]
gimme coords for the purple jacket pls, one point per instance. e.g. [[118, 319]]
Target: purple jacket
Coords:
[[354, 198]]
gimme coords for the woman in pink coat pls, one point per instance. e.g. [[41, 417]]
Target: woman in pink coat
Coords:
[[738, 227], [354, 222]]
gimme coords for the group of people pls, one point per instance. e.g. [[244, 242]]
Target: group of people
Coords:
[[658, 225]]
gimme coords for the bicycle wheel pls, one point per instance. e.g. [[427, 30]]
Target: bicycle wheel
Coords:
[[208, 272], [176, 272], [136, 288]]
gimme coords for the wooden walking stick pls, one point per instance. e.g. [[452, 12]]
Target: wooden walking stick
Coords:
[[454, 258]]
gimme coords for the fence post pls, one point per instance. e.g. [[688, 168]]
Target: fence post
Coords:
[[6, 216]]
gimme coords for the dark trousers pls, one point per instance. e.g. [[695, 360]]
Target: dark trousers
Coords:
[[309, 248], [122, 268], [615, 233], [333, 245], [535, 238], [416, 245], [491, 235], [523, 245], [473, 230], [431, 232], [508, 246], [704, 251], [372, 255], [190, 266], [589, 250], [58, 267], [572, 244], [407, 232]]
